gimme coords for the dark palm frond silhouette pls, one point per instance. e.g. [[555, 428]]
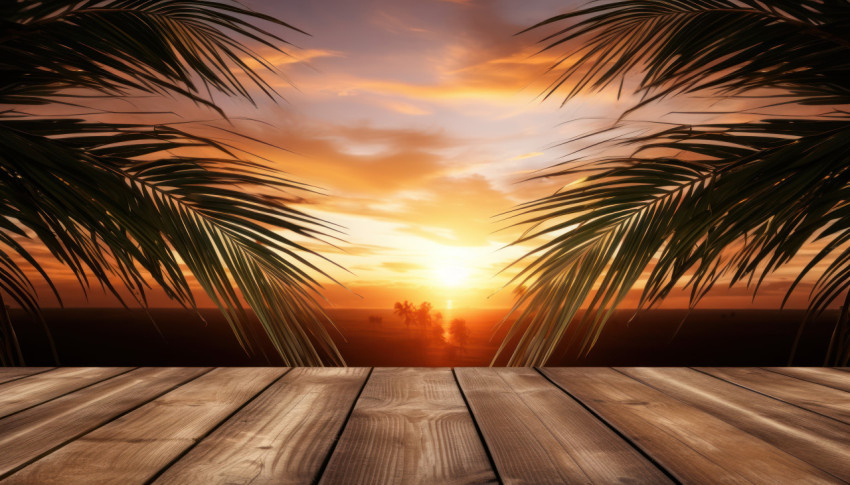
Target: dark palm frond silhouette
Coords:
[[694, 204], [125, 205]]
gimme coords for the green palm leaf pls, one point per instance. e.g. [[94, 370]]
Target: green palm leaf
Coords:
[[127, 205], [729, 200]]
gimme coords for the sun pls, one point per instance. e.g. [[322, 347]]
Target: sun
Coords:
[[451, 275], [451, 267]]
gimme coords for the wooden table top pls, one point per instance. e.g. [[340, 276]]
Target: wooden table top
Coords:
[[181, 425]]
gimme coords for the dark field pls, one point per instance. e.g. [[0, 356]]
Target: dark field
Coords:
[[104, 337]]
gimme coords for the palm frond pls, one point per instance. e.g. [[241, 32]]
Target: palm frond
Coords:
[[727, 201], [155, 46], [126, 205], [687, 46]]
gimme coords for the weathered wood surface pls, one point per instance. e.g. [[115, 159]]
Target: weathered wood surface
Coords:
[[538, 434], [824, 400], [811, 437], [136, 446], [29, 434], [409, 425], [12, 373], [836, 378], [383, 425], [25, 393], [283, 436], [693, 445]]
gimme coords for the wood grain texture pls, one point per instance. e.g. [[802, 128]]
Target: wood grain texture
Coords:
[[134, 447], [691, 444], [808, 395], [825, 376], [409, 426], [238, 425], [538, 434], [24, 393], [281, 437], [811, 437], [13, 373], [28, 434]]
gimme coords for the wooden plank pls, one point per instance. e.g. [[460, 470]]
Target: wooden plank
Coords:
[[409, 426], [136, 446], [811, 437], [13, 373], [27, 435], [538, 434], [281, 437], [691, 444], [825, 376], [26, 393], [814, 397]]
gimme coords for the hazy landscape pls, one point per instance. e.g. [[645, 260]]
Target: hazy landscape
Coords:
[[112, 336]]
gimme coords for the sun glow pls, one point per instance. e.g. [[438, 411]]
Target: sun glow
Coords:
[[451, 275], [450, 266]]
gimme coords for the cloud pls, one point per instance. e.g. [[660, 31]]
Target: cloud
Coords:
[[463, 75], [393, 139], [427, 52], [453, 211], [394, 24], [358, 250], [456, 211], [406, 108], [401, 267], [294, 56], [356, 160], [527, 155]]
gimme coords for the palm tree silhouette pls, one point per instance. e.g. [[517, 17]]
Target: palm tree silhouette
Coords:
[[406, 310], [693, 204], [125, 205]]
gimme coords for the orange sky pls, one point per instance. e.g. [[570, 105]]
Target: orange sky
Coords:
[[418, 119]]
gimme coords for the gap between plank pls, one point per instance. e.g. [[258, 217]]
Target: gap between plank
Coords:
[[647, 384], [773, 397], [48, 369], [613, 428], [478, 429], [65, 394], [802, 379], [133, 408], [327, 459], [211, 430]]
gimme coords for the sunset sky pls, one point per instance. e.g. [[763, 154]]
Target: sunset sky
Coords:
[[419, 120]]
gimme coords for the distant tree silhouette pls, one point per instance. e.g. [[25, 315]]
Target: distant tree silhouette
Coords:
[[437, 326], [423, 314], [425, 318], [405, 310], [459, 332]]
